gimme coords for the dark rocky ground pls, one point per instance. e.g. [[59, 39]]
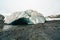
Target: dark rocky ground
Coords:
[[47, 31]]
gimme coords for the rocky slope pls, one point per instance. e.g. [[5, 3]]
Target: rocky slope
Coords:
[[47, 31], [54, 16]]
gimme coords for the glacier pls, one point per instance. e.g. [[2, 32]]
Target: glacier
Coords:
[[28, 17]]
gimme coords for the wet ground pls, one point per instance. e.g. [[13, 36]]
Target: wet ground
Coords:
[[47, 31]]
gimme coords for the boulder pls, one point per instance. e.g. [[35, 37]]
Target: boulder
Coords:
[[1, 17], [1, 21], [28, 17]]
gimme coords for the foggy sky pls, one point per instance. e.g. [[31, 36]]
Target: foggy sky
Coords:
[[46, 7]]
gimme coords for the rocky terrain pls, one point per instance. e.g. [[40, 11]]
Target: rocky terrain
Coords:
[[47, 31]]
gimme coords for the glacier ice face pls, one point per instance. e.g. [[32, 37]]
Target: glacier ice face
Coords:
[[33, 17]]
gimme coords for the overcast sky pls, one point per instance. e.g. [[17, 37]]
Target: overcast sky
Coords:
[[46, 7]]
